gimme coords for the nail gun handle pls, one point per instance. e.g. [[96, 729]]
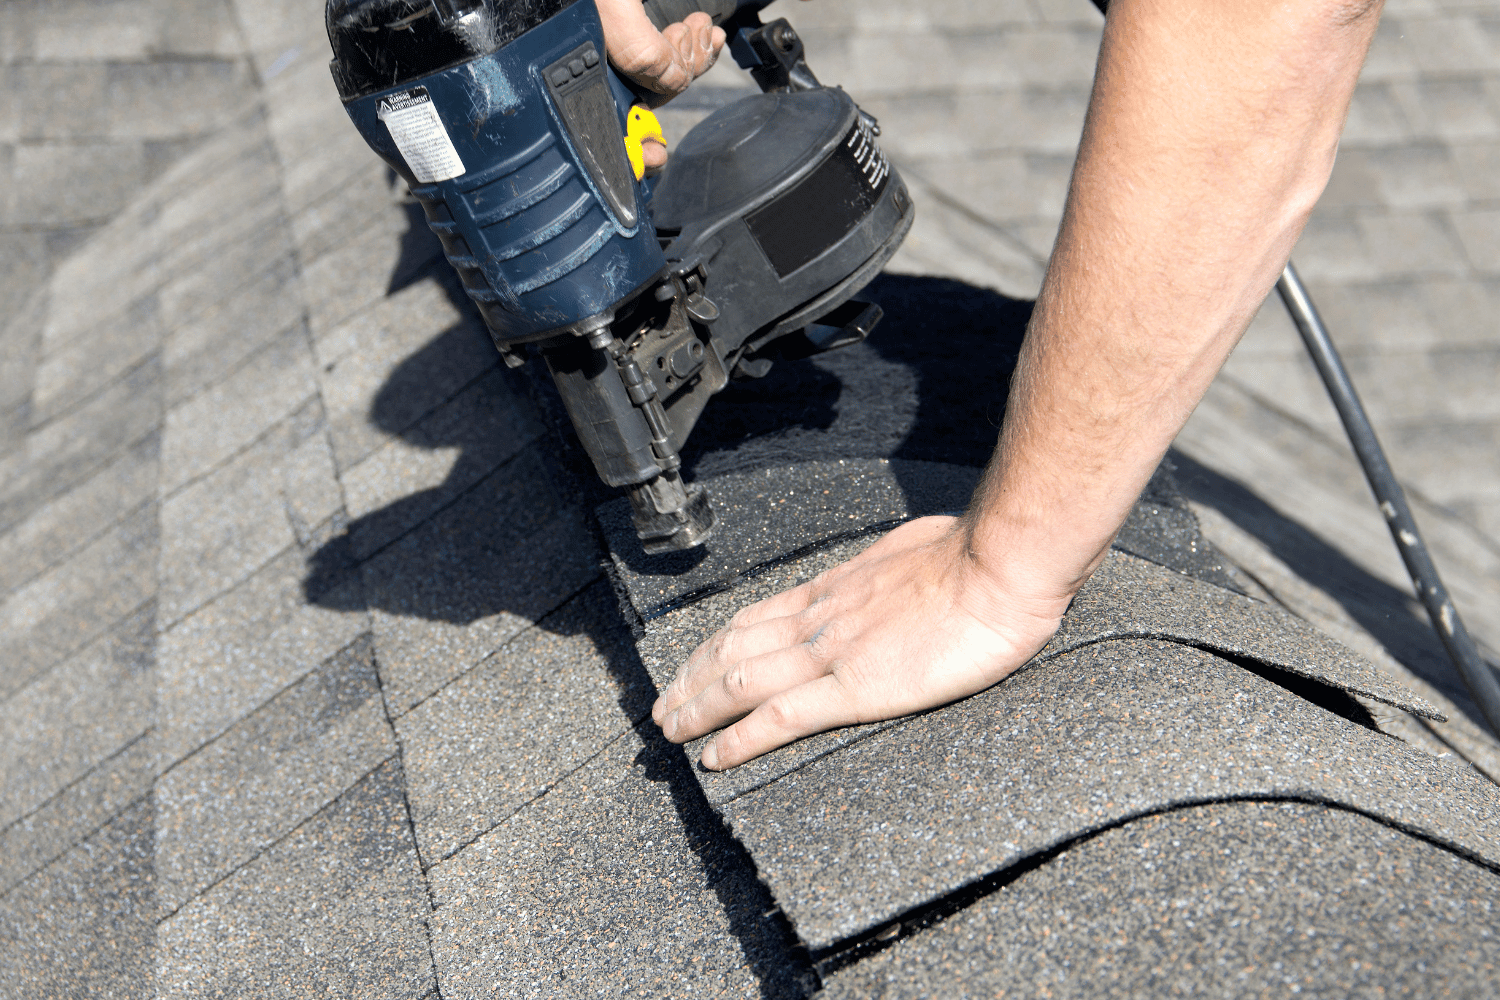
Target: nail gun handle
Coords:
[[665, 12]]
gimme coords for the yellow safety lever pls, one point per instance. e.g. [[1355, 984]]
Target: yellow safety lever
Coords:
[[640, 125]]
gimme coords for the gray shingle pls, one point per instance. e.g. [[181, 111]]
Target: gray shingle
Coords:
[[69, 375], [247, 789], [132, 29], [1479, 167], [618, 883], [418, 473], [1126, 598], [60, 528], [337, 907], [83, 927], [59, 101], [83, 711], [356, 275], [166, 98], [207, 429], [371, 199], [671, 638], [774, 511], [1246, 899], [1130, 598], [1413, 243], [238, 651], [63, 608], [78, 811], [71, 448], [60, 183], [205, 348], [231, 260], [454, 590], [1114, 730], [393, 364], [501, 735], [228, 524], [1479, 231]]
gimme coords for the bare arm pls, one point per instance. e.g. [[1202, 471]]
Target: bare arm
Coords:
[[1210, 134]]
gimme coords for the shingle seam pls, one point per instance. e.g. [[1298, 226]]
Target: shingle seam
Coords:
[[708, 832], [733, 580], [857, 947], [84, 541], [79, 402], [540, 623], [1235, 656], [411, 824], [1232, 656], [84, 776], [1413, 493], [535, 798], [75, 650], [399, 755], [265, 848]]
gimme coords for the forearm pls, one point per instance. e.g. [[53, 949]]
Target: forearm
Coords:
[[1211, 133]]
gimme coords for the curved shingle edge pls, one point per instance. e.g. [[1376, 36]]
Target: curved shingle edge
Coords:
[[1132, 598], [856, 839]]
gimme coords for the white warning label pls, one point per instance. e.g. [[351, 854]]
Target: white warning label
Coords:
[[420, 135]]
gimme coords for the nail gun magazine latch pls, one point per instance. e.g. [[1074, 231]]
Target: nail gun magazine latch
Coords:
[[643, 296]]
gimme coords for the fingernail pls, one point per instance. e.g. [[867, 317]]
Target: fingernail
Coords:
[[669, 726], [710, 756]]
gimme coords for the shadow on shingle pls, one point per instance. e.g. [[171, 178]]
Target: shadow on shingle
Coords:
[[1387, 612]]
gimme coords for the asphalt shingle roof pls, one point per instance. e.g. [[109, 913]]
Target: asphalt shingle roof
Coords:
[[311, 681]]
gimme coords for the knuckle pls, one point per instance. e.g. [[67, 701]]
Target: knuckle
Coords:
[[725, 644], [780, 715], [719, 642], [737, 682], [823, 645]]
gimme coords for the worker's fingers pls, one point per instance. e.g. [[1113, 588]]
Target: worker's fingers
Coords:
[[663, 62], [635, 46], [697, 42], [788, 602], [654, 154], [809, 708], [709, 662], [740, 689]]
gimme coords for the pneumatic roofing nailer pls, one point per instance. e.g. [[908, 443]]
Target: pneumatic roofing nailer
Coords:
[[642, 295]]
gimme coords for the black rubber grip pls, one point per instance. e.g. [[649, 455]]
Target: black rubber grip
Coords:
[[665, 12]]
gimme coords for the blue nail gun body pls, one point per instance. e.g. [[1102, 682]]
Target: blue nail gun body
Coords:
[[643, 296]]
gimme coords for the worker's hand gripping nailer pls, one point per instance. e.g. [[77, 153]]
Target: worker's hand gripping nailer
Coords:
[[643, 296]]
